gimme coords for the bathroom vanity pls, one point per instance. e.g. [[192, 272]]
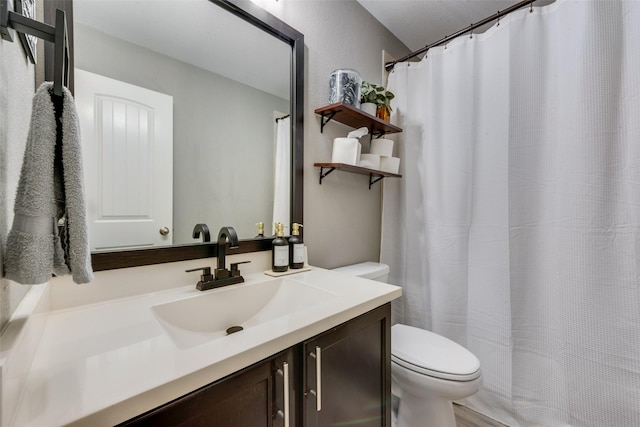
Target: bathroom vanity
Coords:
[[317, 340], [332, 378]]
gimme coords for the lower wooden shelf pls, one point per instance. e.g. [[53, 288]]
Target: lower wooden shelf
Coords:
[[374, 175]]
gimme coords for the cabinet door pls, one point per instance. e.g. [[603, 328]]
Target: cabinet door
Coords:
[[347, 373], [253, 397]]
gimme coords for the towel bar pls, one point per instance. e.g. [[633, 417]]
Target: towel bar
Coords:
[[56, 35]]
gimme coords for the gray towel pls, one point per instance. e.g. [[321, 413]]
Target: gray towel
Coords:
[[49, 233]]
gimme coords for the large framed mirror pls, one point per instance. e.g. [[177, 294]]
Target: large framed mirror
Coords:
[[233, 76]]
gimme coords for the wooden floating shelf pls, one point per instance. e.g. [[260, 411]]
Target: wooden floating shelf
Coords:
[[374, 174], [356, 118]]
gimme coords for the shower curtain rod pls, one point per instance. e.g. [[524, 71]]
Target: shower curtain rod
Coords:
[[389, 65]]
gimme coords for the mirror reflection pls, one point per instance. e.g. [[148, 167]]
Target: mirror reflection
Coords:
[[183, 110]]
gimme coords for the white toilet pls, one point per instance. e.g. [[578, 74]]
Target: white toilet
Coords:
[[428, 371]]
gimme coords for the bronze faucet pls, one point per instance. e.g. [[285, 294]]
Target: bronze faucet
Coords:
[[222, 277], [226, 233], [201, 228]]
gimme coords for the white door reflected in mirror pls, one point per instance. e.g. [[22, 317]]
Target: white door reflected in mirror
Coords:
[[127, 147]]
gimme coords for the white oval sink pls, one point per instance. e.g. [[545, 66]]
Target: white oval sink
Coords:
[[207, 316]]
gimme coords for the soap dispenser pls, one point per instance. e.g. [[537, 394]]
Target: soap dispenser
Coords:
[[296, 247], [280, 253], [260, 230]]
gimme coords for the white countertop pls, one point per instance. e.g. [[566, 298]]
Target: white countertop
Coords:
[[103, 363]]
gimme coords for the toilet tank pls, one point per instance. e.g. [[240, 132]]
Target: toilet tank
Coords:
[[368, 270]]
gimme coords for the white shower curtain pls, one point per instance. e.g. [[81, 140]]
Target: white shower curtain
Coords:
[[515, 228], [282, 181]]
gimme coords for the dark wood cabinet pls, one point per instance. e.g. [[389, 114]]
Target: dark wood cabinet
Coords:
[[253, 397], [353, 361], [347, 373]]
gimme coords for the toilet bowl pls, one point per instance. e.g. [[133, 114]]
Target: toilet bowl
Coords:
[[428, 371]]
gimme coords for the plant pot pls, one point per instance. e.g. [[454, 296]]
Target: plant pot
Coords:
[[369, 108], [383, 113]]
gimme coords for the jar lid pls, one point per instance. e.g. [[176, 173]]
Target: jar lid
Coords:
[[345, 71]]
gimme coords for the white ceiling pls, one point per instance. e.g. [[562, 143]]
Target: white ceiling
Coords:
[[418, 23]]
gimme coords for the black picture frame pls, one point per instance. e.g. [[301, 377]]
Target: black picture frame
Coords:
[[27, 8]]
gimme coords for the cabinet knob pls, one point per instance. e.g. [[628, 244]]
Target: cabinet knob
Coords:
[[164, 231]]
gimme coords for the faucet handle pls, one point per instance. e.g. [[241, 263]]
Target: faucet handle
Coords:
[[235, 271], [206, 273]]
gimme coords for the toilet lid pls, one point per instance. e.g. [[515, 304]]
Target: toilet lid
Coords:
[[431, 354]]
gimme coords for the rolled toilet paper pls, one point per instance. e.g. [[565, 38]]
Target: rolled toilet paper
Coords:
[[346, 150], [382, 147], [371, 161], [390, 164]]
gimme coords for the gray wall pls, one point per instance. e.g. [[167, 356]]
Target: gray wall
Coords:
[[342, 216], [16, 92], [212, 115]]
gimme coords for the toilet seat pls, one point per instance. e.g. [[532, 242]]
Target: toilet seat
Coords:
[[431, 354]]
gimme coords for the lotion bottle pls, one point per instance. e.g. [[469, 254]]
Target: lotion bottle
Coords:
[[296, 247], [280, 252]]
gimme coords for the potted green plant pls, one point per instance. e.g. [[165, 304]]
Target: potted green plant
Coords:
[[379, 97]]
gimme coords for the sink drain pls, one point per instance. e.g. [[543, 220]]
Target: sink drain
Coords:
[[234, 329]]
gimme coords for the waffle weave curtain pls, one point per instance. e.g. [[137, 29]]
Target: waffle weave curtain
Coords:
[[515, 230]]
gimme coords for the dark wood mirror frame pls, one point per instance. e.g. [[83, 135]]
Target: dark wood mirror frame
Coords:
[[271, 25]]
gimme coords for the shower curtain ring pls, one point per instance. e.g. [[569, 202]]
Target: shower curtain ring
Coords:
[[531, 7], [498, 15]]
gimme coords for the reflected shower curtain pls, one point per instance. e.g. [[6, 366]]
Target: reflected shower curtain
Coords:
[[515, 228], [282, 172]]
